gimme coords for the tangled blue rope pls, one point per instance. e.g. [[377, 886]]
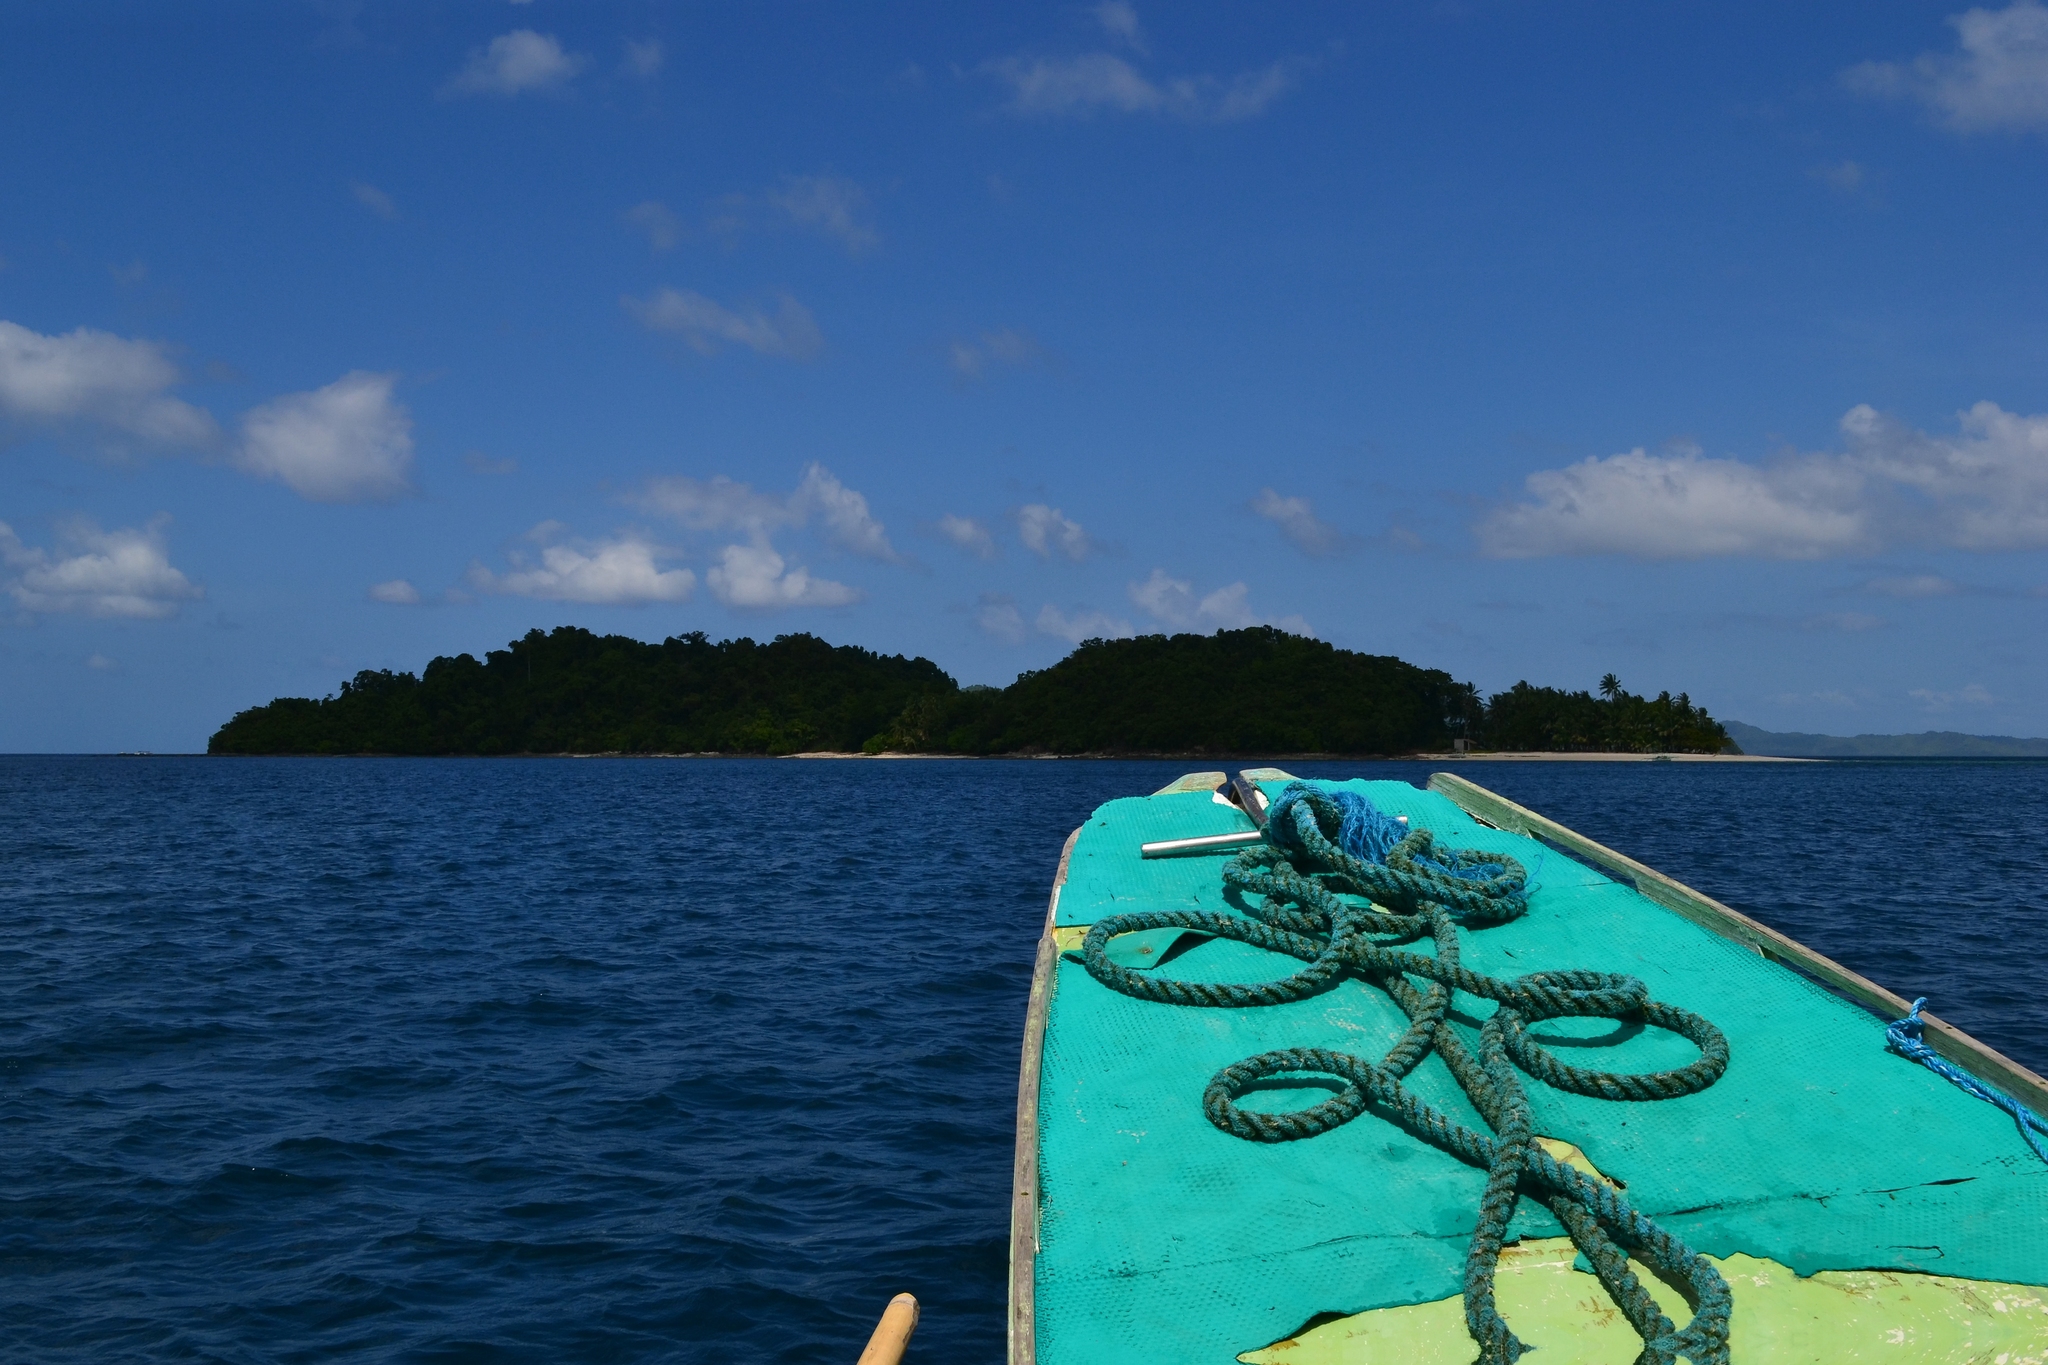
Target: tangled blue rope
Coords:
[[1323, 845], [1907, 1037]]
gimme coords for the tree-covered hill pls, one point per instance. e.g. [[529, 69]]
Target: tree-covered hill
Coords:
[[1256, 691]]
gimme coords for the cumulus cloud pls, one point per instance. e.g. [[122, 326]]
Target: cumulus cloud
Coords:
[[843, 513], [829, 204], [657, 222], [1996, 78], [754, 576], [1004, 346], [1046, 531], [1172, 602], [126, 573], [1985, 488], [516, 63], [1298, 522], [347, 442], [397, 592], [1098, 82], [623, 571], [1082, 625], [998, 615], [96, 379], [707, 326], [969, 534], [373, 199]]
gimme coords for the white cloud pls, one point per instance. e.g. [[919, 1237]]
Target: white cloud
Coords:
[[1997, 77], [848, 523], [124, 573], [1006, 346], [102, 663], [1972, 695], [397, 592], [1082, 625], [1844, 178], [98, 379], [373, 199], [619, 572], [515, 63], [347, 442], [1094, 82], [1047, 531], [832, 204], [1172, 602], [705, 325], [1915, 586], [476, 462], [657, 222], [1985, 488], [969, 534], [754, 576], [1119, 19], [643, 58], [1298, 522], [998, 615], [718, 504]]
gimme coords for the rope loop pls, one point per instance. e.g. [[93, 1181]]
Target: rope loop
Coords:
[[1323, 845]]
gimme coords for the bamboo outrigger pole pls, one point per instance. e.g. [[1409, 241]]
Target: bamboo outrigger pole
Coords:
[[892, 1333]]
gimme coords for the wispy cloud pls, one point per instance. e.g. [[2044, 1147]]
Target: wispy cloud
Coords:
[[1093, 83], [1047, 531], [395, 592], [829, 204], [998, 615], [347, 442], [1082, 625], [1119, 19], [1973, 694], [1010, 346], [1298, 522], [1173, 602], [1984, 488], [95, 380], [969, 534], [622, 571], [657, 223], [1995, 78], [1915, 586], [515, 63], [373, 199], [707, 326], [643, 58], [124, 573], [1843, 177], [723, 504]]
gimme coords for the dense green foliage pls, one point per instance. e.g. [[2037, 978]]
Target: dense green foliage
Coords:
[[575, 692], [1550, 719], [1256, 691]]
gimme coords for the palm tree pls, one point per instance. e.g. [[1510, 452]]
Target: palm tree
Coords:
[[1610, 687]]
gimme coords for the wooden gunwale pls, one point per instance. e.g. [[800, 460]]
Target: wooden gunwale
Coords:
[[1985, 1063], [1024, 1175]]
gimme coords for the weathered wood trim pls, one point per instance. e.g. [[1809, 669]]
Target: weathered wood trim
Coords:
[[1024, 1178], [1985, 1063]]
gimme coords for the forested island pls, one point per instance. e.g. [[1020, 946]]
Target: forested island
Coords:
[[1257, 691]]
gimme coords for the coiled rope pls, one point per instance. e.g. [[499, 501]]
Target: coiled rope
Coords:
[[1322, 845]]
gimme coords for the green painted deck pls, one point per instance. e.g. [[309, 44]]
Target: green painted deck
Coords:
[[1160, 1238]]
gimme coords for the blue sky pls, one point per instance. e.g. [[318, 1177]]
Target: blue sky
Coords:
[[1703, 345]]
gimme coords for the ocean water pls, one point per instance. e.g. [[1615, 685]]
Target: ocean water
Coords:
[[685, 1060]]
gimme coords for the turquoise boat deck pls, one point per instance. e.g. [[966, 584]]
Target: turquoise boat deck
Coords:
[[1159, 1237]]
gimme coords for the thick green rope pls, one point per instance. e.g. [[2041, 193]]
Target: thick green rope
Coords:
[[1304, 915]]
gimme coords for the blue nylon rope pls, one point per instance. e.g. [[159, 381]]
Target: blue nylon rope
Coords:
[[1906, 1037]]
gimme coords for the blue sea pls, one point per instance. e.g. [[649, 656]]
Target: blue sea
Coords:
[[686, 1060]]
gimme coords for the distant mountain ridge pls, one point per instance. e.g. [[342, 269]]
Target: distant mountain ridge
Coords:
[[1928, 744]]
